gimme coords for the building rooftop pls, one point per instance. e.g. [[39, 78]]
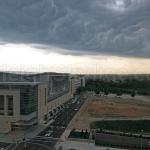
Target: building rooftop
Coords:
[[34, 74], [20, 83]]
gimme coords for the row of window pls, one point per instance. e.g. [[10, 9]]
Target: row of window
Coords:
[[9, 104]]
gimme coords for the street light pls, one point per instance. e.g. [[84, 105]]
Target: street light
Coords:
[[67, 120], [141, 138]]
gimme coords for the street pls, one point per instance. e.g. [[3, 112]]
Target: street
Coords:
[[47, 139]]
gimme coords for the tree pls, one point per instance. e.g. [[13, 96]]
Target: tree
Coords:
[[119, 93], [82, 133], [97, 91], [133, 94], [80, 90], [106, 92]]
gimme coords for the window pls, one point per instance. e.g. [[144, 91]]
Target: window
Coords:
[[45, 97], [1, 105], [10, 106]]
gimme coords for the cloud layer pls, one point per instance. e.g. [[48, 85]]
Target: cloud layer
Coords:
[[114, 27]]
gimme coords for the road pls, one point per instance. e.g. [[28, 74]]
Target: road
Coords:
[[54, 131], [6, 146]]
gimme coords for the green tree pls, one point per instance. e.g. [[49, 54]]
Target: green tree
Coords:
[[133, 94], [119, 93], [106, 92]]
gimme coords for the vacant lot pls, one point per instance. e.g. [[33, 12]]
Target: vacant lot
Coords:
[[117, 108], [113, 109]]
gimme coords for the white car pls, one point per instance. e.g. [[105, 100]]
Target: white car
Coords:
[[49, 133]]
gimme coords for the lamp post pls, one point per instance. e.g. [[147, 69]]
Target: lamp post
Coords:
[[141, 138]]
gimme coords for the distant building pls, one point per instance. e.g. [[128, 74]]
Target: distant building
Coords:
[[30, 99], [76, 82]]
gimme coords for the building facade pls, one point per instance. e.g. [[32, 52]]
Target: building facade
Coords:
[[30, 99]]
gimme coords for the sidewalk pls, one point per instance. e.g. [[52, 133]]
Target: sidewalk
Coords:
[[81, 146], [66, 133]]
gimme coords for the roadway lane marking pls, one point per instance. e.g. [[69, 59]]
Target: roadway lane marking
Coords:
[[43, 137], [8, 147]]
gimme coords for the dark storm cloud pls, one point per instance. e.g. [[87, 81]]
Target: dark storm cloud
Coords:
[[114, 27]]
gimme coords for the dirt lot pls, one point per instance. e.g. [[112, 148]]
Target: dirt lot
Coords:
[[112, 108]]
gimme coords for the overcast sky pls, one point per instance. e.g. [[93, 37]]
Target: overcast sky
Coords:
[[77, 36]]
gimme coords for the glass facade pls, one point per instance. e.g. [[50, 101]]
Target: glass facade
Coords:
[[45, 96], [10, 105], [28, 98], [58, 86], [2, 105]]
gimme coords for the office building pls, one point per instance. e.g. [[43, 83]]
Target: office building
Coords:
[[30, 99]]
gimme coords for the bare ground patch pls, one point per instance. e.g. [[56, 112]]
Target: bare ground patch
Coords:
[[112, 108]]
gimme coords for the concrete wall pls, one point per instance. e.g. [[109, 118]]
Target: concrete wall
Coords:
[[42, 102]]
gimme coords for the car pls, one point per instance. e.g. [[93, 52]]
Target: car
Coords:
[[48, 134]]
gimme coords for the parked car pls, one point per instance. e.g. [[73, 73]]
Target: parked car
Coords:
[[48, 134]]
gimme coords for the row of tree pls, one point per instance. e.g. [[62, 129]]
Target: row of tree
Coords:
[[131, 87]]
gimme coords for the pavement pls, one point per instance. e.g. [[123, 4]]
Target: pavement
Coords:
[[81, 145]]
